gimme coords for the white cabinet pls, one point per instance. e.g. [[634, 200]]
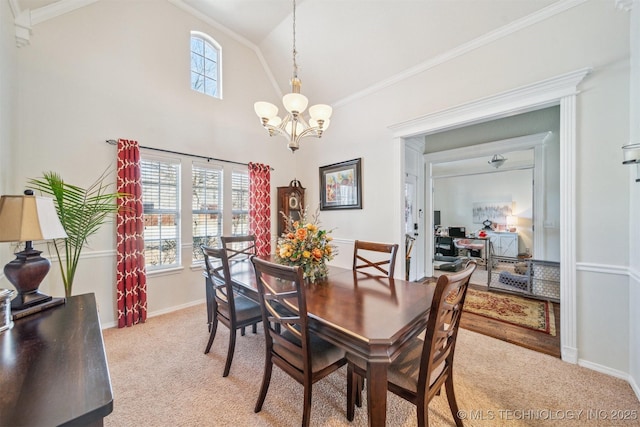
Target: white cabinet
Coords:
[[504, 244]]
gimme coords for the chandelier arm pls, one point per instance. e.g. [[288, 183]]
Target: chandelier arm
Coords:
[[315, 132], [273, 130]]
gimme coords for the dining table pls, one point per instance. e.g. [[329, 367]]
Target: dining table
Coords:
[[371, 316]]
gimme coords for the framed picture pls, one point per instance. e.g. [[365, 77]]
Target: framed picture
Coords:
[[496, 212], [341, 185]]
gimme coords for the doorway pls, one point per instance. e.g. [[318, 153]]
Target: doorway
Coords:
[[560, 90]]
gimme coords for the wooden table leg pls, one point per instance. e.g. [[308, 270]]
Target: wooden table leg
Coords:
[[377, 393]]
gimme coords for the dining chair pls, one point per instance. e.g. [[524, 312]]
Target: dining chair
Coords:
[[233, 310], [366, 255], [289, 344], [239, 248], [420, 371]]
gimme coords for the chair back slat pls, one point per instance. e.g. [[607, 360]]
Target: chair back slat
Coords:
[[239, 248], [442, 327], [367, 255], [217, 268]]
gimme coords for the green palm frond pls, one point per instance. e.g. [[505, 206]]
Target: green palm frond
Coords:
[[82, 211]]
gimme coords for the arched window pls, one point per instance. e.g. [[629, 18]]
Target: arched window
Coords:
[[206, 69]]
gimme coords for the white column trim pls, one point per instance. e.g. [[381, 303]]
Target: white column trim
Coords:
[[562, 90], [568, 314]]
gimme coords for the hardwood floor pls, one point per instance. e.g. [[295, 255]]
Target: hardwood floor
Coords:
[[533, 340], [538, 341]]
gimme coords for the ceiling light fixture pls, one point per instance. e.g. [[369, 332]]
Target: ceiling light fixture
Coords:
[[497, 160], [294, 127]]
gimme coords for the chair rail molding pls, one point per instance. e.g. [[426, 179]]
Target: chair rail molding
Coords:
[[559, 90]]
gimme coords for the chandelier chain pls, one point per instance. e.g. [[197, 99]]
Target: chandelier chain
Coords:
[[295, 52]]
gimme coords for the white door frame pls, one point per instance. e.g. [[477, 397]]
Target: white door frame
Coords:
[[560, 90]]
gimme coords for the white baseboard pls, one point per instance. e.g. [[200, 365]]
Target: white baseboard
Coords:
[[634, 387], [605, 370], [160, 312]]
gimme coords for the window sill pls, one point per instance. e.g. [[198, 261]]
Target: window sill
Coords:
[[165, 271]]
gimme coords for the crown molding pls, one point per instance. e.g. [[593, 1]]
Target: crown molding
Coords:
[[15, 7], [542, 93], [28, 18], [624, 5], [490, 37], [56, 9], [22, 23], [25, 19]]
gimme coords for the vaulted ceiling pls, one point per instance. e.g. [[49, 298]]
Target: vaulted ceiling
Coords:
[[347, 47]]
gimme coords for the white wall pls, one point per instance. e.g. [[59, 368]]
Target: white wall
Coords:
[[455, 196], [8, 85], [567, 42], [113, 69], [121, 70], [634, 211]]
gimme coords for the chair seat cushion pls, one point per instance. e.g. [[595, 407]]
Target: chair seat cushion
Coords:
[[323, 353], [246, 309], [404, 370]]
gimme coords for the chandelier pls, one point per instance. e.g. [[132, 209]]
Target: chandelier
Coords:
[[294, 127]]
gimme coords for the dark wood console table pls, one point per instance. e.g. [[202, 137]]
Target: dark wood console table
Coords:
[[53, 368]]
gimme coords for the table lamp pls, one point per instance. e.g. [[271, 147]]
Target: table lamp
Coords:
[[25, 219]]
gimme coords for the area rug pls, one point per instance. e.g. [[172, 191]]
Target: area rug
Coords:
[[527, 313]]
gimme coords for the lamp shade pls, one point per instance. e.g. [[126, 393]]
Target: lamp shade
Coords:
[[29, 218], [295, 102], [265, 109], [320, 112]]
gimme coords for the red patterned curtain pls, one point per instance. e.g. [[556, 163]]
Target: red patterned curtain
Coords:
[[260, 206], [131, 279]]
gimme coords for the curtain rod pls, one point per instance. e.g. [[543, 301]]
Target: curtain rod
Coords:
[[114, 142]]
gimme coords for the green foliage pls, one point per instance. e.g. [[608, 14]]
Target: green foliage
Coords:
[[81, 211]]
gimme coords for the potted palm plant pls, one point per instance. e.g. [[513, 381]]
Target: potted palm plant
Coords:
[[82, 211]]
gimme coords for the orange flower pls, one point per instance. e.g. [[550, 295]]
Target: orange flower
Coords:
[[317, 253], [301, 233]]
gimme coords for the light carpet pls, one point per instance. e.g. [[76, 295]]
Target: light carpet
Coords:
[[161, 377], [525, 312]]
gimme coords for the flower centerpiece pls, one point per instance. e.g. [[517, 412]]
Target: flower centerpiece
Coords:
[[304, 244]]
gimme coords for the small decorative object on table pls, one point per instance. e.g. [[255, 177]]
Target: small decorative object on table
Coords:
[[304, 244]]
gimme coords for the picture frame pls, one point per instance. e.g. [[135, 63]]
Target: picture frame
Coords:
[[341, 185], [496, 212]]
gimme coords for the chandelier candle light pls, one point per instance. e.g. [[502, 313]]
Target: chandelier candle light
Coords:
[[294, 127]]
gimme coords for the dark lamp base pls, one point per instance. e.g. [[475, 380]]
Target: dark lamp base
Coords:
[[25, 273], [27, 300]]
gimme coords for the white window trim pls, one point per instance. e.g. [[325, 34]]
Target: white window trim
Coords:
[[217, 45]]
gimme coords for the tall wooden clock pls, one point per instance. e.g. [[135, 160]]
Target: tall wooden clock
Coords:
[[290, 202]]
